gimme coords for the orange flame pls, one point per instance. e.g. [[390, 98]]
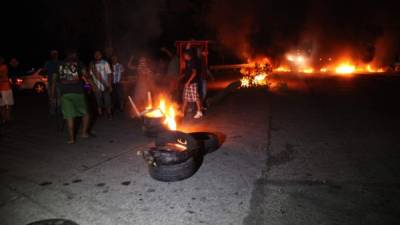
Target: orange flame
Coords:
[[161, 111], [345, 68], [255, 73]]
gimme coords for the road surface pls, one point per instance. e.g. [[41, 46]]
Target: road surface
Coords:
[[322, 151]]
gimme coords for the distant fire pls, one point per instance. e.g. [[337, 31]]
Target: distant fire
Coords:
[[299, 62], [255, 73], [345, 68]]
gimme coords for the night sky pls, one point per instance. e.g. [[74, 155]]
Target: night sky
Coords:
[[243, 28]]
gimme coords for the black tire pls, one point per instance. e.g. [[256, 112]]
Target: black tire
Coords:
[[152, 132], [208, 141], [39, 88], [176, 137], [165, 157], [177, 172], [54, 222]]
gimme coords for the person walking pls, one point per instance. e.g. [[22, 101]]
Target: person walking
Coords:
[[73, 103], [51, 67], [190, 80], [6, 94], [205, 74], [102, 77]]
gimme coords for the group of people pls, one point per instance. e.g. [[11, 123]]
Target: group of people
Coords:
[[70, 82], [67, 81]]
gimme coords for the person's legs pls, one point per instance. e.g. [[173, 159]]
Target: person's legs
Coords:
[[68, 110], [8, 101], [197, 98], [85, 125], [81, 110], [7, 116], [107, 102], [71, 127], [99, 101]]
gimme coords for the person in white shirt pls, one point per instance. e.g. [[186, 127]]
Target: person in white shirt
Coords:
[[101, 74]]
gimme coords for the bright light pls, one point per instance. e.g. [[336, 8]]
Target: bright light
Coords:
[[345, 68], [308, 70], [300, 59]]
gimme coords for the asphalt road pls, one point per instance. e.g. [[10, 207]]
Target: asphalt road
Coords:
[[322, 151]]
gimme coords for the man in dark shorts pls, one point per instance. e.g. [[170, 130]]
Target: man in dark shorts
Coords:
[[73, 102], [191, 79]]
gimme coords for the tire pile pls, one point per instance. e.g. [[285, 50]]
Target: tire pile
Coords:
[[168, 164]]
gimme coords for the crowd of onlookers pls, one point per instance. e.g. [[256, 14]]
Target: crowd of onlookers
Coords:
[[96, 89]]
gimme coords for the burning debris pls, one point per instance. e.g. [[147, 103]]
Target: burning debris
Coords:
[[255, 73], [302, 63], [156, 119]]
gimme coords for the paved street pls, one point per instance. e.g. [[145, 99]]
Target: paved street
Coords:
[[323, 152]]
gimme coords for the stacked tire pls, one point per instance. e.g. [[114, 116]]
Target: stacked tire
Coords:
[[168, 166]]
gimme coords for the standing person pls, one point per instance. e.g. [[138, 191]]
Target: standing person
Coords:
[[102, 77], [118, 96], [6, 95], [51, 67], [191, 79], [204, 74], [73, 103]]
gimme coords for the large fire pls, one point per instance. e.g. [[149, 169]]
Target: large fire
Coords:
[[255, 73], [301, 64], [162, 110], [345, 68]]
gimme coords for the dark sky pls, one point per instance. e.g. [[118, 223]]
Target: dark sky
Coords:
[[32, 28]]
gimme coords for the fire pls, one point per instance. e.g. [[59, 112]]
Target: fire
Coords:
[[245, 82], [255, 73], [308, 70], [282, 69], [260, 79], [177, 146], [161, 111], [345, 68]]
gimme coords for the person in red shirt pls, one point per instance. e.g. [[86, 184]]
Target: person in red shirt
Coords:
[[6, 95]]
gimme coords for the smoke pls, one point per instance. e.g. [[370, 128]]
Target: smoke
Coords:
[[136, 24], [358, 29], [232, 22], [361, 30], [386, 48]]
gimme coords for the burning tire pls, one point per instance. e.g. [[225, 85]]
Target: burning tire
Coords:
[[163, 156], [152, 126], [175, 157], [176, 172], [207, 141], [177, 137]]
